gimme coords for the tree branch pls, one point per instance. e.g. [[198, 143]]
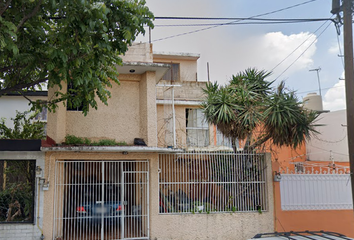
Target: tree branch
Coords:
[[25, 18], [7, 4], [19, 87]]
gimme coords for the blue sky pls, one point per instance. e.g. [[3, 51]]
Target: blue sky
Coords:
[[233, 48]]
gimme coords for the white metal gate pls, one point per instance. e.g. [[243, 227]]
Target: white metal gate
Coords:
[[101, 200]]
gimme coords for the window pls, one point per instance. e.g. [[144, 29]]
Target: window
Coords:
[[221, 140], [173, 73], [212, 183], [197, 128], [42, 115], [76, 104], [17, 184]]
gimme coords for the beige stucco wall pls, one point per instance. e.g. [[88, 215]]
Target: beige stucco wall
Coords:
[[147, 103], [119, 120], [56, 121], [131, 113], [138, 52]]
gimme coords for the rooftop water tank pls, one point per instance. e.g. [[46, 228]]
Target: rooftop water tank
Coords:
[[313, 101]]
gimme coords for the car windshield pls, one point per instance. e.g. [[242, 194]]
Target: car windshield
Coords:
[[92, 192]]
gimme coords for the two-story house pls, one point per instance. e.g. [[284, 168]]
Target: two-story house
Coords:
[[169, 180]]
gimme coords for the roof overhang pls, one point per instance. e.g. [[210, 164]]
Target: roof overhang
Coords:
[[141, 67], [128, 149], [180, 56]]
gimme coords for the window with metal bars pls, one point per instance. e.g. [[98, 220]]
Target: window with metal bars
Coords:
[[17, 185], [212, 183]]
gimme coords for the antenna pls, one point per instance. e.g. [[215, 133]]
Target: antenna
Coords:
[[318, 78]]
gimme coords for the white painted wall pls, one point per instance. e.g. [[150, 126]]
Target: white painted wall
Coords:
[[332, 142], [9, 105]]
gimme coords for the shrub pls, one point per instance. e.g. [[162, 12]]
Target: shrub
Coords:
[[24, 127]]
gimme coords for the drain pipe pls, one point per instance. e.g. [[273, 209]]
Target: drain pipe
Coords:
[[38, 202]]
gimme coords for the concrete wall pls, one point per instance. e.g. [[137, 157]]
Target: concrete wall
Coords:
[[26, 231], [332, 142]]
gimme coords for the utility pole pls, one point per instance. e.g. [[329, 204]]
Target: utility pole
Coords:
[[349, 82], [318, 78]]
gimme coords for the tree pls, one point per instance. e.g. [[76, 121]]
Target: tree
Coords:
[[74, 42], [248, 108]]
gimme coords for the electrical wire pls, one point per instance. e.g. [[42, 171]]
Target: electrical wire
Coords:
[[313, 34], [207, 28], [232, 23], [303, 52]]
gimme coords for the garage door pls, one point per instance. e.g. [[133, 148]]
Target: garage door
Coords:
[[101, 200]]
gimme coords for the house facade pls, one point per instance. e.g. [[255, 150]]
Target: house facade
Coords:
[[312, 184], [171, 177]]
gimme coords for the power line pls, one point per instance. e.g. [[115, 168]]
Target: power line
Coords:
[[259, 15], [303, 52], [234, 23], [313, 34]]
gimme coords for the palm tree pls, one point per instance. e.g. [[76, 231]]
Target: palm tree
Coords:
[[247, 108]]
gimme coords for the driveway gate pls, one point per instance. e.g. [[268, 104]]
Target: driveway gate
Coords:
[[101, 200]]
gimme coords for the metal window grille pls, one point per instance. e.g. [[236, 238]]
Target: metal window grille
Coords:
[[17, 184], [212, 182]]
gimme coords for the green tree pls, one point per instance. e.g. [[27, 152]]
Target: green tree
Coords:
[[248, 108], [74, 42]]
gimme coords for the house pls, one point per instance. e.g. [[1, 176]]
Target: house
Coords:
[[312, 185], [174, 179]]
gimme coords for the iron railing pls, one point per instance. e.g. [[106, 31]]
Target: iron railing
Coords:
[[209, 182]]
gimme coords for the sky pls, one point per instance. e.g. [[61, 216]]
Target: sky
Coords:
[[289, 50]]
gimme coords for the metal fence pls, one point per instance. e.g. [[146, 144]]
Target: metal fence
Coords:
[[207, 182], [315, 188], [101, 200]]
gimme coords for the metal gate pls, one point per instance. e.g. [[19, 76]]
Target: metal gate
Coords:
[[101, 200]]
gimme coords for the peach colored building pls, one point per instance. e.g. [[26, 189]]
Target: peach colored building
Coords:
[[322, 166]]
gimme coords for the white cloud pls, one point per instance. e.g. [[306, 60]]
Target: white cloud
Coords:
[[278, 47], [334, 98]]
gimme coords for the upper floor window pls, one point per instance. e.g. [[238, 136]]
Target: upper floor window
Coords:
[[173, 73], [197, 128], [70, 105]]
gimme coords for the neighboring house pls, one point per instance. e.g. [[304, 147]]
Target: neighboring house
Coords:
[[312, 185], [184, 184], [22, 177]]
